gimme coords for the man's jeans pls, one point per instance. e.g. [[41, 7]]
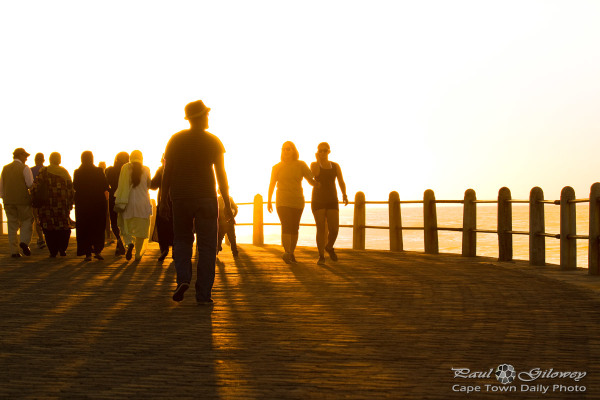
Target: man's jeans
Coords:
[[201, 214]]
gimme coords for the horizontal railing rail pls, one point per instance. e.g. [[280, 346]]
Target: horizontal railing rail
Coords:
[[537, 232]]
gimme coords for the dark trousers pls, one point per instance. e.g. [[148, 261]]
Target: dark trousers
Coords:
[[229, 230], [199, 214], [57, 240], [113, 218]]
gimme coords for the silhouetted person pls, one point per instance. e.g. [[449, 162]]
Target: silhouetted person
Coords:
[[227, 227], [91, 198], [163, 227], [54, 215], [112, 176], [325, 203], [189, 178], [15, 180], [39, 164], [133, 199], [289, 199]]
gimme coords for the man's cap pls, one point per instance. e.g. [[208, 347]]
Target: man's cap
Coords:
[[195, 109], [20, 151]]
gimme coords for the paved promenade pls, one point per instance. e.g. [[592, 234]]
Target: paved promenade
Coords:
[[373, 325]]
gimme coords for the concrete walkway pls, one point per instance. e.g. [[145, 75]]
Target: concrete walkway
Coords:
[[373, 325]]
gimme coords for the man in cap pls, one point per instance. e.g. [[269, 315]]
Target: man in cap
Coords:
[[189, 178], [15, 180]]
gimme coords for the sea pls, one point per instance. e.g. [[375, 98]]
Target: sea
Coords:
[[448, 216], [412, 216]]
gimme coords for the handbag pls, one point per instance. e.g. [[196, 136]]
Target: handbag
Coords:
[[41, 195]]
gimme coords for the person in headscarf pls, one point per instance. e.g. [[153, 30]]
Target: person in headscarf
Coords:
[[133, 202], [112, 175], [91, 198], [54, 214]]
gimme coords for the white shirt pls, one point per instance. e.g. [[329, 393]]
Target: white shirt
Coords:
[[27, 174]]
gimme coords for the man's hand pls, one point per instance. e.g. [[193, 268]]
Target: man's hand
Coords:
[[270, 207]]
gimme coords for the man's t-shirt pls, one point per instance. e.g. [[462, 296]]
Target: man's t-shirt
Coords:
[[191, 155]]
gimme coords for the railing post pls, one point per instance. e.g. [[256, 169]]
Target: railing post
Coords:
[[396, 242], [537, 226], [469, 238], [505, 242], [358, 227], [594, 244], [1, 220], [430, 223], [568, 245], [152, 220], [258, 236]]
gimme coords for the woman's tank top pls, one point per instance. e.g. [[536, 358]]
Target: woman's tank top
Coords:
[[327, 192]]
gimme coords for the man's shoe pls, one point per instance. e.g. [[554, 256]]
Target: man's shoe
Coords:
[[208, 302], [16, 255], [321, 260], [41, 244], [63, 253], [98, 256], [181, 288], [293, 258], [25, 248], [332, 254], [129, 253]]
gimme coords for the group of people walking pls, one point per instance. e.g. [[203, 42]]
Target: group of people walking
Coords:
[[44, 196], [188, 204]]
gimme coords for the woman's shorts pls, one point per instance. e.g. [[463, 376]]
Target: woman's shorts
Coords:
[[334, 205], [290, 219]]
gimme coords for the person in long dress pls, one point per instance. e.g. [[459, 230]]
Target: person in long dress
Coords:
[[133, 201], [54, 215], [91, 199]]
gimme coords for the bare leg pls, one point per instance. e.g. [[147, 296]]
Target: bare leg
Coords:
[[333, 224], [286, 242], [321, 221], [294, 241]]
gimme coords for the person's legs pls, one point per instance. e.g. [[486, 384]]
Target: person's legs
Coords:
[[139, 248], [114, 225], [12, 224], [206, 224], [232, 239], [321, 222], [333, 225], [52, 239], [26, 222], [38, 228], [63, 241], [183, 240], [296, 215]]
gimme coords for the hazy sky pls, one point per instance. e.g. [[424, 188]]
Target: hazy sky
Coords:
[[411, 95]]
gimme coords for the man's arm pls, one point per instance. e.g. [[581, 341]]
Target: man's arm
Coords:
[[28, 175]]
